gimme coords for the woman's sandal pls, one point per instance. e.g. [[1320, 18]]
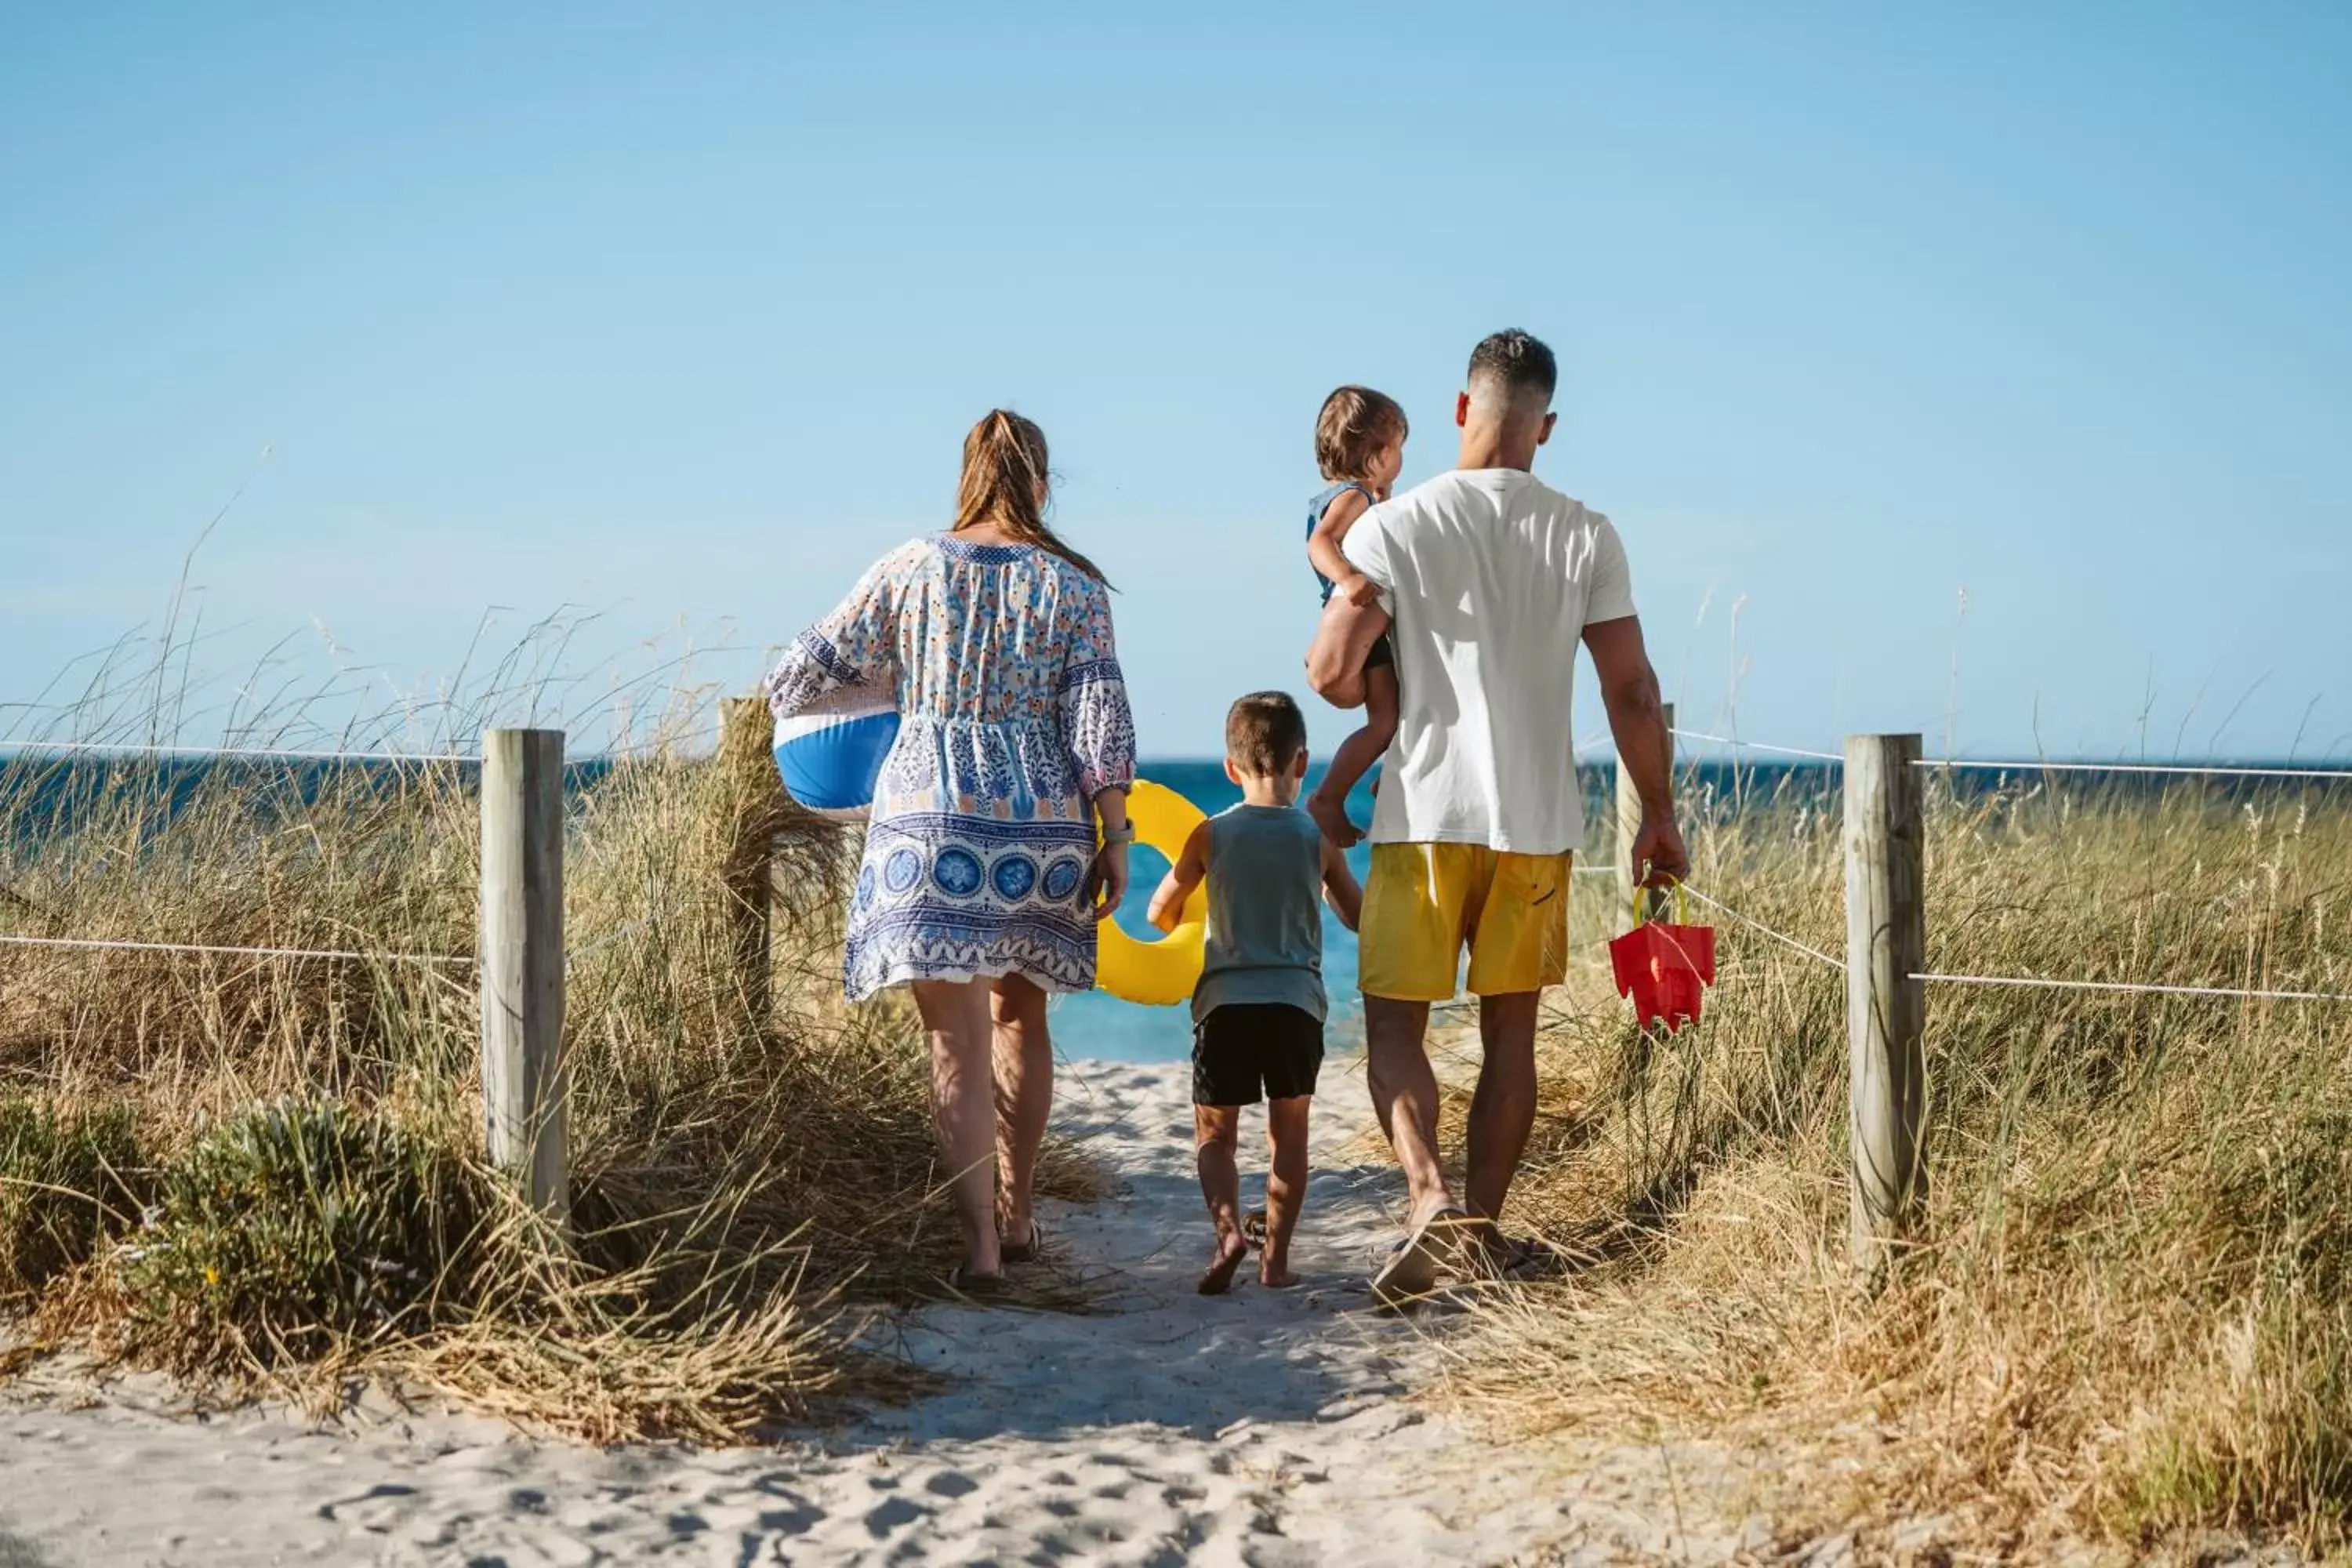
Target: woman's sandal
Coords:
[[979, 1287], [1531, 1257], [1028, 1252]]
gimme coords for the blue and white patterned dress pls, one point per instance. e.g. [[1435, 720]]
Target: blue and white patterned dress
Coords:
[[1012, 716]]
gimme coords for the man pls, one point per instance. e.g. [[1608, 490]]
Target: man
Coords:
[[1488, 578]]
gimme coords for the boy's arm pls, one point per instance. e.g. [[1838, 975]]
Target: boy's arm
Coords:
[[1323, 547], [1192, 868], [1340, 889]]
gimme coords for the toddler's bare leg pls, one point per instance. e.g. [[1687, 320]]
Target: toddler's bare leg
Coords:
[[1286, 1186], [1216, 1133], [1357, 755]]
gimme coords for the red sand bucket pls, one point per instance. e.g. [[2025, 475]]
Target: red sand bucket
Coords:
[[1665, 968]]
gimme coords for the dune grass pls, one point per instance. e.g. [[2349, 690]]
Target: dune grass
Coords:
[[233, 1167], [2123, 1315]]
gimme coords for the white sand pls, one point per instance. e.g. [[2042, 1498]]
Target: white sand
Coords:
[[1263, 1427]]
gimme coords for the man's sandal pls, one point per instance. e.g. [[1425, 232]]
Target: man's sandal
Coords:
[[1435, 1248]]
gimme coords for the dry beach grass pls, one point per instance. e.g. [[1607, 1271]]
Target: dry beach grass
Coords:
[[2124, 1316], [231, 1167]]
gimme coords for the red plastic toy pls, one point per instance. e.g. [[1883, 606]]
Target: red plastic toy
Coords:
[[1665, 968]]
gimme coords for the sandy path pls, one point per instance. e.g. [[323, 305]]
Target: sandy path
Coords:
[[1264, 1427]]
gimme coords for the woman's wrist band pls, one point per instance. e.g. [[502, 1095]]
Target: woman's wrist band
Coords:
[[1122, 834]]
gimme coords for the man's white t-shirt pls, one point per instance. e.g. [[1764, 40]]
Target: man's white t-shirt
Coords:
[[1490, 576]]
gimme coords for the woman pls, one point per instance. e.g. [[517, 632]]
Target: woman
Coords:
[[981, 883]]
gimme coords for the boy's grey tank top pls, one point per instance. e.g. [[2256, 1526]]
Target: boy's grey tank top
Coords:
[[1265, 911]]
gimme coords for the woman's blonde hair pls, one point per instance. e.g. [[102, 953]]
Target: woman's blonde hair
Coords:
[[1004, 476]]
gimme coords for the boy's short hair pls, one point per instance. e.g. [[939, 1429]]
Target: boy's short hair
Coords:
[[1356, 422], [1518, 366], [1265, 733]]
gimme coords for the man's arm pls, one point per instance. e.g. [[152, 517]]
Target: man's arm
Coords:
[[1334, 663], [1629, 689]]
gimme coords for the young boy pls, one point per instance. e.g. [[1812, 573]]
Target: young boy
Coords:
[[1257, 1013]]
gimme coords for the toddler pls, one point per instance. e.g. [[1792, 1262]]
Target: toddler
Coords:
[[1359, 446]]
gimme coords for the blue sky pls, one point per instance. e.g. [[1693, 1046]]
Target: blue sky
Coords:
[[680, 317]]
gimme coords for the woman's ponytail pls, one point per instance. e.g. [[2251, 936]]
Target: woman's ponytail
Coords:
[[1005, 479]]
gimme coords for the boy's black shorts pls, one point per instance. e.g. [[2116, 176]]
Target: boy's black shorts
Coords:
[[1383, 654], [1253, 1050]]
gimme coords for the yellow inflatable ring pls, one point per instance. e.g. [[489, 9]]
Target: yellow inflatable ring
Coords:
[[1156, 973]]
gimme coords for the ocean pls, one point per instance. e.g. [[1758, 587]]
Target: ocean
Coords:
[[41, 796]]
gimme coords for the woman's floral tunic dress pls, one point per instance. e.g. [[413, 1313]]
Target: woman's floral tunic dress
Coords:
[[1013, 716]]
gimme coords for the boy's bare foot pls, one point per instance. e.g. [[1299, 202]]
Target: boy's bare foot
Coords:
[[1231, 1251], [1331, 817], [1276, 1277]]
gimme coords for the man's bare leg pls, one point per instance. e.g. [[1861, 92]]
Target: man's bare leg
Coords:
[[1405, 1097], [1023, 1053], [1286, 1186], [1216, 1136], [1503, 1110]]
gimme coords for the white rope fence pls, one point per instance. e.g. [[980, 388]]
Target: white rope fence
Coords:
[[2018, 766], [2036, 982], [1972, 765], [37, 749], [1783, 938], [2031, 981], [342, 956], [1758, 746]]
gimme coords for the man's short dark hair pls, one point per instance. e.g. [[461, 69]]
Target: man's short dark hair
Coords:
[[1520, 364], [1265, 733]]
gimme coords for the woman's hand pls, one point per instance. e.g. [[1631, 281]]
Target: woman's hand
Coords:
[[1106, 883]]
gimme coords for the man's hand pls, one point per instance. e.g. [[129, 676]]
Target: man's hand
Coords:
[[1658, 853], [1359, 590]]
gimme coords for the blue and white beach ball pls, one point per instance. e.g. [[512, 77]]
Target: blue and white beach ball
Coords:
[[832, 755]]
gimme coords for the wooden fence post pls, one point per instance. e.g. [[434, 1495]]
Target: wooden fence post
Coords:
[[523, 1078], [1629, 823], [746, 737], [1886, 1010]]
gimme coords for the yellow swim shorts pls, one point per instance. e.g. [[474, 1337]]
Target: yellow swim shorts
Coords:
[[1424, 904]]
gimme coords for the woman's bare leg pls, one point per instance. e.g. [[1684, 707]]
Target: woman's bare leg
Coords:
[[1024, 1052], [962, 1112]]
